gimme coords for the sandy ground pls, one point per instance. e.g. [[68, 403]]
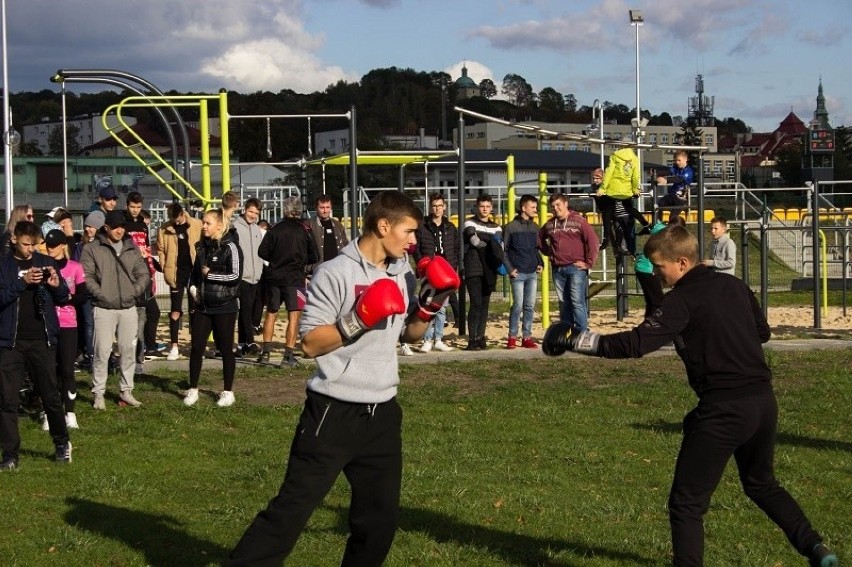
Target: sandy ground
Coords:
[[785, 322]]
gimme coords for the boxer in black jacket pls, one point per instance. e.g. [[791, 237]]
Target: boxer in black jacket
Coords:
[[718, 329]]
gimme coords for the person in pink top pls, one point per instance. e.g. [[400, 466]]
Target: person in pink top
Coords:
[[71, 271]]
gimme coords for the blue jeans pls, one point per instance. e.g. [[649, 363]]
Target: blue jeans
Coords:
[[436, 327], [572, 285], [524, 289]]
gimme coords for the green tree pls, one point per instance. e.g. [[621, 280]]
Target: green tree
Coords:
[[30, 149], [570, 103], [551, 100], [842, 153], [487, 88], [788, 162], [518, 90], [54, 141]]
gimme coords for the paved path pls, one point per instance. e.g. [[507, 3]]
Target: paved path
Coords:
[[494, 353]]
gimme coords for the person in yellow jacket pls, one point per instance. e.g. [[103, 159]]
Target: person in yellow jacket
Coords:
[[621, 182]]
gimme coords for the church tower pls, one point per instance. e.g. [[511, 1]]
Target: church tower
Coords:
[[818, 158]]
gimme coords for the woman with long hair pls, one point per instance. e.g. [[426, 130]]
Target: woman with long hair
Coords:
[[214, 283], [18, 214], [66, 350]]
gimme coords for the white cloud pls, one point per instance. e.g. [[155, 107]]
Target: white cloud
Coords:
[[475, 70], [272, 65]]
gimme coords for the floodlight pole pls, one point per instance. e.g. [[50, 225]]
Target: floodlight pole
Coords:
[[597, 112], [9, 171], [636, 20], [460, 172], [353, 174]]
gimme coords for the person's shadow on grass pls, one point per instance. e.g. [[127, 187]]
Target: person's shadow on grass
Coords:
[[160, 538], [781, 438], [513, 548]]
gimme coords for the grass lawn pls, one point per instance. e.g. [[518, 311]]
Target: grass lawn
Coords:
[[510, 462]]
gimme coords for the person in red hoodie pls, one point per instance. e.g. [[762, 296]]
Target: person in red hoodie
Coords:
[[572, 246]]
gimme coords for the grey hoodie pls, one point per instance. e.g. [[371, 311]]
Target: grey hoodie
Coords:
[[365, 370]]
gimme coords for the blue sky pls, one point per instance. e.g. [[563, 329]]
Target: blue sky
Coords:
[[760, 58]]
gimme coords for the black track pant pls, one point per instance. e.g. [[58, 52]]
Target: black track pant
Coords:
[[713, 432], [35, 357], [222, 325], [245, 323], [66, 355], [361, 440], [479, 294]]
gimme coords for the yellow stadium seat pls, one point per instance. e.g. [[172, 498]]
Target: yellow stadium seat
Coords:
[[709, 215], [794, 215], [779, 214]]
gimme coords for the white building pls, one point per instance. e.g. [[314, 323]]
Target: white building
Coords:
[[90, 130]]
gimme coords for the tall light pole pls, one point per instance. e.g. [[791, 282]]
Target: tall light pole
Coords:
[[10, 137], [636, 20], [597, 112]]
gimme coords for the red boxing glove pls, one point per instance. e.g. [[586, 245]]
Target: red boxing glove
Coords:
[[378, 302], [440, 280]]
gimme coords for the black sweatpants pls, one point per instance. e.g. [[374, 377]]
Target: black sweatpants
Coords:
[[35, 357], [713, 431], [222, 325], [66, 356], [245, 323], [479, 293], [152, 320], [363, 441], [652, 290]]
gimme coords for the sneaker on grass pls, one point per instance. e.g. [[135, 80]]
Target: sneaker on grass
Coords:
[[98, 403], [174, 354], [442, 346], [226, 398], [191, 397], [128, 399], [63, 452]]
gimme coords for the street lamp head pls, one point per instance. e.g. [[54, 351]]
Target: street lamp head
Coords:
[[636, 17]]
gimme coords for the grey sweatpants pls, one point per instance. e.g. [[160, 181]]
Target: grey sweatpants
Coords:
[[112, 324]]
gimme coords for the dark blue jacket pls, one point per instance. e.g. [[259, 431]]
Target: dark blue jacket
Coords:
[[11, 288], [519, 241]]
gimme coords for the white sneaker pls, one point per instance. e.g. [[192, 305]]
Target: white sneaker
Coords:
[[71, 420], [405, 350], [191, 397], [443, 347], [140, 369], [174, 354], [128, 399], [45, 426], [426, 347], [226, 398], [98, 403]]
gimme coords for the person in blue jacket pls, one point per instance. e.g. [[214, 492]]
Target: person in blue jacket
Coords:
[[680, 177]]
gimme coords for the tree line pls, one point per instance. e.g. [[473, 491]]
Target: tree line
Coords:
[[388, 101]]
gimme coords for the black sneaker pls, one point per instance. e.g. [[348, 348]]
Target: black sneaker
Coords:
[[9, 464], [645, 230], [263, 358], [63, 453], [288, 360], [604, 243], [252, 348], [821, 556]]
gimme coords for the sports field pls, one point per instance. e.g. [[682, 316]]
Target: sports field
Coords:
[[519, 461]]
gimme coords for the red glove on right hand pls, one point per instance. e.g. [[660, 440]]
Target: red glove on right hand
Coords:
[[375, 304], [440, 280]]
